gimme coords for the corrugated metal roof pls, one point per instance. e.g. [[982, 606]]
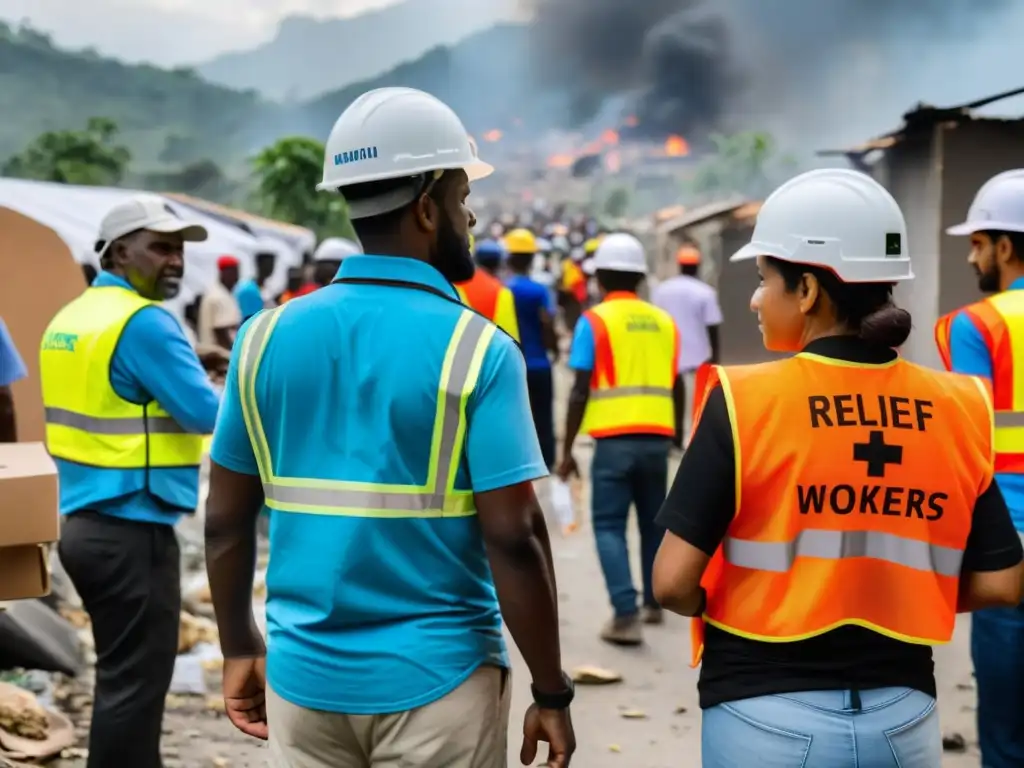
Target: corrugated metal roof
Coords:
[[702, 214]]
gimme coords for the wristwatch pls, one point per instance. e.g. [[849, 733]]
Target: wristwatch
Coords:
[[558, 700]]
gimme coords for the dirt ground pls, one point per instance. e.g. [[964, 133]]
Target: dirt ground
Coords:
[[657, 681]]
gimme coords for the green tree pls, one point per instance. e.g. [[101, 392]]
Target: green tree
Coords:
[[287, 173], [743, 163], [92, 156], [617, 204]]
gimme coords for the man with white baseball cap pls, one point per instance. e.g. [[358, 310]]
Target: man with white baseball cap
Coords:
[[127, 404], [982, 340], [624, 356]]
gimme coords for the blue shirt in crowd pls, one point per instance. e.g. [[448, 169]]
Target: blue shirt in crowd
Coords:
[[531, 298], [12, 367], [370, 615], [153, 361], [249, 298], [970, 355]]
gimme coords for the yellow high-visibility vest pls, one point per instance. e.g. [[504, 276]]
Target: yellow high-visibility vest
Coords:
[[317, 495], [635, 360], [87, 422]]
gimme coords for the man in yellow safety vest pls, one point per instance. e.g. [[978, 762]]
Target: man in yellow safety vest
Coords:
[[624, 354], [127, 405]]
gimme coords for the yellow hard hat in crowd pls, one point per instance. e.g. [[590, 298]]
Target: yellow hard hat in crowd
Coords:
[[590, 247], [520, 241]]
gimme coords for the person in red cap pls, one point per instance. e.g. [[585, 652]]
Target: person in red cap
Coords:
[[694, 306], [219, 315]]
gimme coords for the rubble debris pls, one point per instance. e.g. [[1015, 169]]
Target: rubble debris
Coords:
[[34, 636], [953, 742], [194, 630], [21, 714], [633, 714], [588, 675]]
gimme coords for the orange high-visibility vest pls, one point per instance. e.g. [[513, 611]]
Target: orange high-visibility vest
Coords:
[[1000, 321], [636, 354], [488, 296], [843, 516]]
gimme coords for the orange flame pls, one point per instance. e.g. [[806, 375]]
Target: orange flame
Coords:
[[676, 146], [610, 137], [561, 161], [494, 135]]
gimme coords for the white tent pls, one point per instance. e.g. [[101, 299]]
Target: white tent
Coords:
[[75, 212]]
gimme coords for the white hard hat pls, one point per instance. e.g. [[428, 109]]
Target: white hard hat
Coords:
[[620, 252], [396, 133], [998, 206], [839, 219], [336, 249]]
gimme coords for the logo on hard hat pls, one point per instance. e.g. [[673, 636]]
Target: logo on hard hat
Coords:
[[893, 244], [355, 155]]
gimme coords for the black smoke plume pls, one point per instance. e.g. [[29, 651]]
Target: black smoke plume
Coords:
[[689, 66]]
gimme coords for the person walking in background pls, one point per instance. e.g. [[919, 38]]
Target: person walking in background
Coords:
[[625, 357], [251, 294], [380, 420], [836, 509], [12, 369], [127, 404], [982, 340], [485, 292], [535, 315], [219, 317], [693, 304]]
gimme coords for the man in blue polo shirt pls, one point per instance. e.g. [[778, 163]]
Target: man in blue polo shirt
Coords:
[[980, 340], [127, 405], [12, 369], [381, 422]]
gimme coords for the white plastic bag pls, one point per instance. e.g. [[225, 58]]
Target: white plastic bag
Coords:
[[563, 506]]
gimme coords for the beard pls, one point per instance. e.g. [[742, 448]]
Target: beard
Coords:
[[988, 280], [453, 258]]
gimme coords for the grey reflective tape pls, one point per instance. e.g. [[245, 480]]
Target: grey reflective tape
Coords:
[[97, 425], [604, 394], [447, 449], [779, 556], [1009, 419]]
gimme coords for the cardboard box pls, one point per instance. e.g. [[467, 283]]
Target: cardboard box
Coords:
[[29, 519]]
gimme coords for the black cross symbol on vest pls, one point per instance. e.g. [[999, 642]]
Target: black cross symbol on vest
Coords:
[[877, 454]]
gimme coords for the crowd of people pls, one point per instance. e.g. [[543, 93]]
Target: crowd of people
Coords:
[[833, 512]]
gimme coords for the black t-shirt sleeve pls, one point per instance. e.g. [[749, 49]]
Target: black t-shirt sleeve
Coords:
[[993, 543], [702, 501]]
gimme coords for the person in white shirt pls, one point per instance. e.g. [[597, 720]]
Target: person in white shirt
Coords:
[[219, 315], [694, 306]]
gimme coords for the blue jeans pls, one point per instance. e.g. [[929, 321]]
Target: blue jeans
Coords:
[[628, 471], [892, 728], [997, 650]]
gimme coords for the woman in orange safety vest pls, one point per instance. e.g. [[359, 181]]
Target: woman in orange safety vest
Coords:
[[835, 509]]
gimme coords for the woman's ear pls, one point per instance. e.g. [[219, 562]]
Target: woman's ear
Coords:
[[808, 293]]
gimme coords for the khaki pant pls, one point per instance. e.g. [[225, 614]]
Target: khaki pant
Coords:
[[468, 728]]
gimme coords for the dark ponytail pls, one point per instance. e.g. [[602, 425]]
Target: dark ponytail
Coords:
[[865, 308]]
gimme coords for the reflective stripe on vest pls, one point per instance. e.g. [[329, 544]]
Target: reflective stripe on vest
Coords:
[[437, 497], [999, 320], [87, 422], [839, 499], [635, 346]]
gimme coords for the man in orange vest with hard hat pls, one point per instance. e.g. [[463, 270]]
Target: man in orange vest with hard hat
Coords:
[[485, 293], [625, 357], [984, 339]]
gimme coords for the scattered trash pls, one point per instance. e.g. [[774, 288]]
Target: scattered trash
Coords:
[[633, 714], [954, 742], [29, 731], [34, 636], [194, 630], [614, 748], [587, 675], [680, 710]]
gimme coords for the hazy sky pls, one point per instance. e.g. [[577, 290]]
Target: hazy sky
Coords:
[[168, 32]]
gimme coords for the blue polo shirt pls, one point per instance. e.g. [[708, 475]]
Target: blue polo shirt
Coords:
[[249, 298], [153, 361], [970, 355], [370, 615], [12, 367], [531, 298]]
